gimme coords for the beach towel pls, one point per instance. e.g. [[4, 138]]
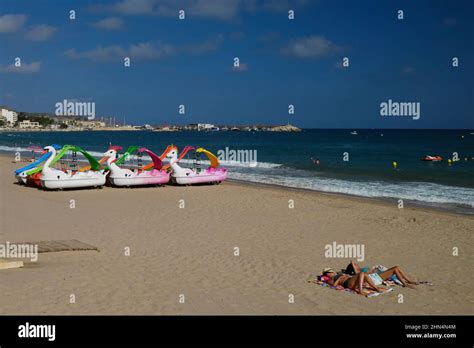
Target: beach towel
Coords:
[[371, 293]]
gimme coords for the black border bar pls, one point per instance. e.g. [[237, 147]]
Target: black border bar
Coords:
[[288, 330]]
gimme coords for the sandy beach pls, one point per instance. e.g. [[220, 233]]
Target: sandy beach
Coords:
[[191, 251]]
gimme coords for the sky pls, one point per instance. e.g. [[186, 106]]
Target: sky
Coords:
[[190, 62]]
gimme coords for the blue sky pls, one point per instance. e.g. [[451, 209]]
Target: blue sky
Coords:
[[283, 61]]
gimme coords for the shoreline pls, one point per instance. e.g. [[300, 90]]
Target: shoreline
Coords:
[[25, 130], [465, 211], [105, 129], [413, 204]]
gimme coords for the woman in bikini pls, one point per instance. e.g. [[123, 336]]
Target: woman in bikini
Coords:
[[353, 268], [355, 282]]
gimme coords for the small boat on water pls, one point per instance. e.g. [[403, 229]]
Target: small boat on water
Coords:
[[354, 133], [429, 158]]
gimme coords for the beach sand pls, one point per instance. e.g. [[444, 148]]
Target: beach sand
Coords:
[[190, 251]]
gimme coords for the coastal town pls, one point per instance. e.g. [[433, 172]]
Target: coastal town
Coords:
[[11, 120]]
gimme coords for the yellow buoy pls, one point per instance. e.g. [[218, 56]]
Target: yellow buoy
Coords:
[[394, 164], [449, 161]]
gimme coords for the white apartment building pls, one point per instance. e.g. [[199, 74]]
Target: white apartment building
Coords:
[[10, 116], [28, 124]]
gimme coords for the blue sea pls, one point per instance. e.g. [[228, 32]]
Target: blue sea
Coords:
[[284, 159]]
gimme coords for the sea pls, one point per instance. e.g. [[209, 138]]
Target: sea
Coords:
[[354, 164]]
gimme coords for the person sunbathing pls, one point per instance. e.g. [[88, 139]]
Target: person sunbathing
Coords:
[[384, 274], [356, 282]]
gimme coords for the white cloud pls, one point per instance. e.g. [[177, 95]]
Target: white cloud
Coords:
[[98, 54], [216, 9], [11, 23], [145, 51], [220, 9], [274, 5], [40, 33], [140, 51], [310, 47], [25, 68], [111, 23]]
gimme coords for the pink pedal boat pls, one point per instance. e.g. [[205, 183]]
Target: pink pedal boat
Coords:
[[137, 177]]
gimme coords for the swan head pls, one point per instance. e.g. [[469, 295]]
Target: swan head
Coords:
[[48, 149], [172, 153], [112, 152]]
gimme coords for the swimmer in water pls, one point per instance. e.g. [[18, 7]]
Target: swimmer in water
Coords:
[[315, 161]]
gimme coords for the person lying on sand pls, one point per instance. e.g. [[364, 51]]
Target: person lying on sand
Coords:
[[355, 282], [353, 268]]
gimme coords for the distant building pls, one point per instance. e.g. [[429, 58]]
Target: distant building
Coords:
[[205, 126], [90, 124], [166, 129], [9, 116], [68, 120], [27, 124], [191, 127]]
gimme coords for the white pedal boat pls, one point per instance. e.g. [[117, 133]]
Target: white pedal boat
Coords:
[[188, 176], [127, 177], [21, 174], [52, 178]]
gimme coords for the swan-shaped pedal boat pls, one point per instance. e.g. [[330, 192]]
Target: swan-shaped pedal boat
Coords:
[[52, 178], [190, 176], [21, 174], [33, 176], [138, 177]]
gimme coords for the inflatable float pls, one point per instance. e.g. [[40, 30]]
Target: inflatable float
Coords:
[[137, 177], [52, 178], [190, 176], [432, 158]]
